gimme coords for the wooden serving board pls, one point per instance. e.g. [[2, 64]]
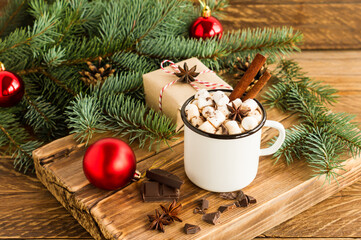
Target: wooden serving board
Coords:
[[281, 191]]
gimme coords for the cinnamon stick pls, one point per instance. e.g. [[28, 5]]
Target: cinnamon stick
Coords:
[[248, 77], [258, 86]]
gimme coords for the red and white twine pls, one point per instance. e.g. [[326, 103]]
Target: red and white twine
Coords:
[[175, 68]]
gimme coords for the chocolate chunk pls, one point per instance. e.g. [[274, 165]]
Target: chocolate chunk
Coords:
[[198, 210], [244, 202], [237, 204], [222, 209], [204, 204], [228, 195], [157, 192], [251, 199], [226, 207], [211, 218], [191, 229], [240, 195], [164, 177]]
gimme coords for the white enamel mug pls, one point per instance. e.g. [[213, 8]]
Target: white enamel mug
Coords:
[[225, 163]]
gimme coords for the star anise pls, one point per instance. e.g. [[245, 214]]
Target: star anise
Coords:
[[158, 221], [172, 211], [187, 75], [236, 112]]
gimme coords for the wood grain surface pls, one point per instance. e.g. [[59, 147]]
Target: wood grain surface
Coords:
[[326, 24]]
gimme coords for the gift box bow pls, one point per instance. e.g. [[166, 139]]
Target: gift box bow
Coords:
[[187, 76]]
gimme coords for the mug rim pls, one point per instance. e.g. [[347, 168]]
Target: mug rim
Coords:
[[219, 136]]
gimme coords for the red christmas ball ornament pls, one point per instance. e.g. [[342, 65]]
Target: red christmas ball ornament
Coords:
[[206, 26], [109, 164], [11, 88]]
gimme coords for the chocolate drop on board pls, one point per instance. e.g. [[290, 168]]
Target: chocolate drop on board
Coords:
[[244, 202], [228, 195], [241, 195], [157, 192], [204, 204], [164, 177], [226, 207], [191, 229], [211, 218], [251, 200], [198, 210]]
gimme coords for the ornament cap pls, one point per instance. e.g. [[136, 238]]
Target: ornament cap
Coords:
[[137, 176], [206, 12], [2, 67]]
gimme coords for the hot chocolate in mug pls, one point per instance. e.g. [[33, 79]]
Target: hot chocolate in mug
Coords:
[[225, 163]]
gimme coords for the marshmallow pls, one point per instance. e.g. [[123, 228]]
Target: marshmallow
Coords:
[[203, 93], [220, 98], [191, 111], [195, 102], [208, 112], [256, 114], [242, 129], [232, 127], [207, 127], [237, 102], [249, 105], [219, 131], [217, 119], [197, 121], [204, 102], [249, 123], [224, 110]]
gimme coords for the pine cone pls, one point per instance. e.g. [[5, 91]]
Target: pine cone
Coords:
[[97, 73], [241, 67]]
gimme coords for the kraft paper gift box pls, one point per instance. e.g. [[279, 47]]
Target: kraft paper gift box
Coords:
[[175, 95]]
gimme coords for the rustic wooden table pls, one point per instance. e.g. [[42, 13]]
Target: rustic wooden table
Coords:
[[29, 211]]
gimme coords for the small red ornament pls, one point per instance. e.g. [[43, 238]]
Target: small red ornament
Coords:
[[109, 163], [206, 26], [11, 88]]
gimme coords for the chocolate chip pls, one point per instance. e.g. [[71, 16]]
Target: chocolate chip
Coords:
[[198, 210], [244, 202], [211, 218], [251, 200], [191, 229], [204, 204], [240, 195], [228, 195], [226, 207]]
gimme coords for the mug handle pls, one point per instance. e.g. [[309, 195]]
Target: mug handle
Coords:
[[281, 138]]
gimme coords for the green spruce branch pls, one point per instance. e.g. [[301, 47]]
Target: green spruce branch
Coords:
[[322, 136], [96, 113], [15, 137], [134, 36], [12, 16], [221, 53]]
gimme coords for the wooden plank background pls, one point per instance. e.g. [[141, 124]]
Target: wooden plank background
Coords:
[[326, 24]]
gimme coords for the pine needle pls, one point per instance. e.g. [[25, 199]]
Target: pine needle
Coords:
[[323, 136]]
